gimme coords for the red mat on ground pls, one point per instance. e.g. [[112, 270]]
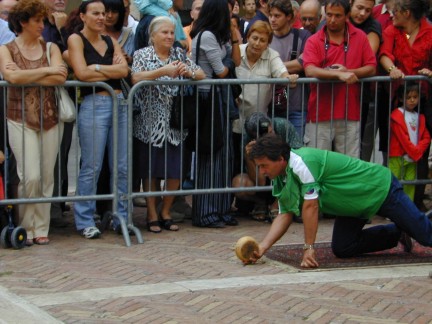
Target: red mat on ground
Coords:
[[292, 255]]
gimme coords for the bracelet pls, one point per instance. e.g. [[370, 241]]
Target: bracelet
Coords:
[[234, 42], [391, 68], [308, 247]]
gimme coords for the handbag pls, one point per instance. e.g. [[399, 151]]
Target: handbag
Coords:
[[125, 86], [184, 106], [65, 105], [183, 109], [280, 96]]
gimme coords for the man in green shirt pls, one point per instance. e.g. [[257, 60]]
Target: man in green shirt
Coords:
[[352, 190]]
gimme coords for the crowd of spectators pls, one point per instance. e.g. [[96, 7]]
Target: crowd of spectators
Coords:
[[337, 41]]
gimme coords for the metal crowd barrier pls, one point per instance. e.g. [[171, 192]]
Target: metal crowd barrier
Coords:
[[112, 196], [368, 144]]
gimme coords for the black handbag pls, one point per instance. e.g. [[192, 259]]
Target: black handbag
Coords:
[[184, 106], [280, 96], [183, 109], [207, 137]]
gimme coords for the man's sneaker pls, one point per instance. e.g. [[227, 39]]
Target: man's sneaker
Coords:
[[91, 232]]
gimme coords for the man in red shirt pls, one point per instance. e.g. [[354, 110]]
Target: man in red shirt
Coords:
[[338, 52]]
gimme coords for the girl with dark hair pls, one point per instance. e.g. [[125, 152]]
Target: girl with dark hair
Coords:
[[115, 13], [409, 137], [214, 168], [97, 57]]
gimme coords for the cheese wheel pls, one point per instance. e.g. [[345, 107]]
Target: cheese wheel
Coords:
[[245, 247]]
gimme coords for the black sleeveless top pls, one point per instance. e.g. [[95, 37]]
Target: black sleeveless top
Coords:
[[92, 56]]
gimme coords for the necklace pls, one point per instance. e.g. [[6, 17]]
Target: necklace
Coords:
[[408, 35]]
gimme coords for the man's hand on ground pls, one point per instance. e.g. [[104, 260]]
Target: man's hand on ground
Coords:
[[257, 255], [309, 259]]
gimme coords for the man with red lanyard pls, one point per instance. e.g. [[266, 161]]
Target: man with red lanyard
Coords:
[[339, 51]]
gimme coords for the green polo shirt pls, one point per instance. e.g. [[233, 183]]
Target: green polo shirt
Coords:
[[343, 185]]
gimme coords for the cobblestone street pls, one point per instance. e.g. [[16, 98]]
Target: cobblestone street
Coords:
[[193, 276]]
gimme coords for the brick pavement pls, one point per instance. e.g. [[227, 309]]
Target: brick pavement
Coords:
[[192, 276]]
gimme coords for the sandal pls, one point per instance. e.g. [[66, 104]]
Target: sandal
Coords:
[[153, 224], [169, 225], [259, 215], [41, 240], [29, 242]]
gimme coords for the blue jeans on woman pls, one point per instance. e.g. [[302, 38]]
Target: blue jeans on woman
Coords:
[[95, 132], [350, 239]]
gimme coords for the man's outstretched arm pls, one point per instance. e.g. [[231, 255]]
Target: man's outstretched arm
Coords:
[[278, 228], [310, 212]]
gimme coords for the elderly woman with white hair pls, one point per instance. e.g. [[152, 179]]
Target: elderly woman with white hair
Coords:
[[160, 143]]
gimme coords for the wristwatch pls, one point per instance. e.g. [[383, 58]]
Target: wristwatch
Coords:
[[97, 68], [308, 247], [193, 75]]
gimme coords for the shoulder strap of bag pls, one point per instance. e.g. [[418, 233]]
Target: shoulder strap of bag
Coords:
[[198, 47], [48, 52], [125, 36], [295, 44]]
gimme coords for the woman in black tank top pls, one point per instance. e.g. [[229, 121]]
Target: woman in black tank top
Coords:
[[95, 57]]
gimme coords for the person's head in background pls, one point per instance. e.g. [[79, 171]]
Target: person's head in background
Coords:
[[56, 5], [126, 4], [92, 13], [27, 16], [262, 5], [310, 15], [236, 8], [196, 8], [206, 20], [409, 96], [409, 11], [257, 124], [296, 8], [361, 10], [161, 32], [114, 14], [235, 21], [281, 16], [5, 8], [249, 8], [337, 12], [178, 5]]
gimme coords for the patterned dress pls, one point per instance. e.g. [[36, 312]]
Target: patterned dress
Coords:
[[151, 124], [153, 103]]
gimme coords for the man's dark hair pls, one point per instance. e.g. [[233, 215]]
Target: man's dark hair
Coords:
[[255, 122], [214, 16], [271, 146], [341, 3], [282, 5]]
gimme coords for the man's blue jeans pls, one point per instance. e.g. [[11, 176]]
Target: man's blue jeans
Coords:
[[350, 239], [95, 131], [298, 119]]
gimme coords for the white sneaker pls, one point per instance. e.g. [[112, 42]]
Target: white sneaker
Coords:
[[91, 232]]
